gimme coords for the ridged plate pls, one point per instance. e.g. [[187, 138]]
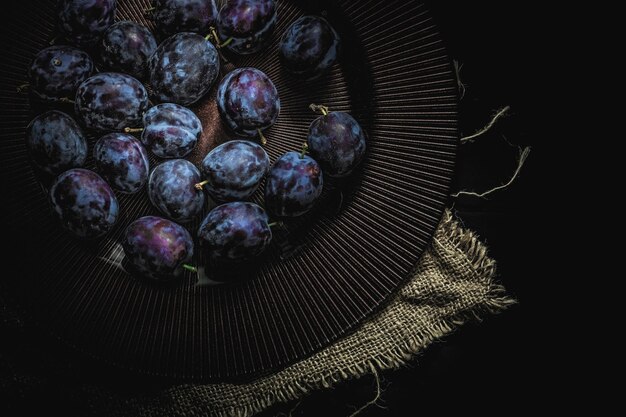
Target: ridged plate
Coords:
[[323, 275]]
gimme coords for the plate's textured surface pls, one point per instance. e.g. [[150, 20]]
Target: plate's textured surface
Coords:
[[324, 273]]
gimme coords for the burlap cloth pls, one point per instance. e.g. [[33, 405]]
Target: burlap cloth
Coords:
[[454, 282]]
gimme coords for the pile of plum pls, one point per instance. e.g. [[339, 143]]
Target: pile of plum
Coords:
[[117, 105]]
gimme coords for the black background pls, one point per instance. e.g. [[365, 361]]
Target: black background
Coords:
[[492, 365], [486, 366]]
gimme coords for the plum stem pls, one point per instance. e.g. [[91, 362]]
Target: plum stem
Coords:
[[275, 224], [66, 100], [133, 129], [319, 108], [216, 39], [200, 185], [21, 88], [305, 149], [149, 9], [53, 41], [190, 268], [263, 139]]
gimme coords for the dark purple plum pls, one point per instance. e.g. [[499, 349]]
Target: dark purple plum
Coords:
[[84, 203], [248, 102], [309, 47], [183, 68], [235, 232], [248, 24], [293, 186], [170, 130], [174, 16], [172, 190], [111, 101], [57, 71], [157, 248], [122, 161], [126, 47], [337, 142], [56, 143], [82, 22], [234, 170]]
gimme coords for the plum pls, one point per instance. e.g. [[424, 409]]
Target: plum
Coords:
[[82, 22], [57, 71], [175, 16], [309, 47], [126, 47], [236, 231], [234, 170], [172, 190], [245, 26], [122, 161], [84, 203], [170, 130], [110, 101], [293, 185], [336, 141], [157, 248], [183, 68], [56, 143], [248, 102]]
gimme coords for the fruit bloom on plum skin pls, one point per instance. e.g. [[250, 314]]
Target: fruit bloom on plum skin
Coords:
[[175, 16], [337, 142], [170, 130], [84, 203], [309, 47], [57, 71], [126, 47], [234, 170], [248, 23], [122, 161], [248, 101], [157, 248], [293, 185], [183, 68], [111, 101], [235, 232], [56, 143], [172, 190], [82, 22]]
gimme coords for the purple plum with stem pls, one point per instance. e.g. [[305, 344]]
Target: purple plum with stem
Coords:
[[248, 102], [234, 170], [236, 231], [158, 248], [56, 72], [56, 143], [336, 141], [126, 47], [309, 47], [111, 101], [183, 68], [84, 203], [172, 190], [82, 22], [246, 26], [122, 161], [170, 130], [175, 16], [293, 185]]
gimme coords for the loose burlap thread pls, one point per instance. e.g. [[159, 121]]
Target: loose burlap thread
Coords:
[[453, 283]]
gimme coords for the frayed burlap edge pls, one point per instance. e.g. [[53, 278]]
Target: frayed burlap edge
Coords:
[[455, 254]]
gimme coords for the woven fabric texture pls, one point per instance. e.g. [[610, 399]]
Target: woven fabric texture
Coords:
[[453, 283]]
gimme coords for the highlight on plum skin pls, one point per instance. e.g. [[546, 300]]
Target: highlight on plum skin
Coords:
[[246, 26], [126, 47], [175, 16], [170, 130], [122, 161]]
